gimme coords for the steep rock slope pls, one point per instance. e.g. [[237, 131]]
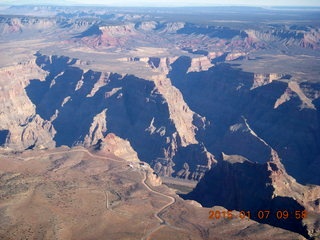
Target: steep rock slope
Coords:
[[237, 105], [22, 127], [119, 147], [84, 106], [271, 189]]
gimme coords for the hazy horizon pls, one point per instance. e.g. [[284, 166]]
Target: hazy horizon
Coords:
[[168, 3]]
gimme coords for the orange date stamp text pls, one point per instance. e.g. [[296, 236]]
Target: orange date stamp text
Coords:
[[261, 214]]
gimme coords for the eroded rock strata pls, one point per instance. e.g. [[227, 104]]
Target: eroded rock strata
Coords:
[[268, 187]]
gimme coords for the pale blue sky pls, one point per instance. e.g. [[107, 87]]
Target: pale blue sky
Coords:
[[172, 2]]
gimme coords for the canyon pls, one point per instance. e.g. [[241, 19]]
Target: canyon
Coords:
[[230, 105]]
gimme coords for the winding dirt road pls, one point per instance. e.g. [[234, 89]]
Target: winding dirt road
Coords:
[[144, 182], [157, 214], [171, 199]]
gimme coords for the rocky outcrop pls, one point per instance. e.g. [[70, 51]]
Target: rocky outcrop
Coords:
[[164, 167], [311, 39], [97, 129], [215, 54], [26, 129], [235, 55], [122, 149], [117, 146], [294, 90], [263, 79], [172, 27], [221, 32], [109, 36], [285, 97], [147, 26], [196, 161], [190, 162], [153, 178], [200, 64], [118, 30], [305, 101], [159, 65], [180, 112]]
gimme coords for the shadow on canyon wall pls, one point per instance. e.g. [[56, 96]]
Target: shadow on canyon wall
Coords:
[[224, 95]]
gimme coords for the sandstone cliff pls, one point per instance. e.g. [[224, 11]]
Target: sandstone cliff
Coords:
[[180, 112], [108, 36], [25, 127], [117, 146], [286, 35], [200, 64], [263, 79], [97, 129], [271, 188], [151, 114], [224, 95]]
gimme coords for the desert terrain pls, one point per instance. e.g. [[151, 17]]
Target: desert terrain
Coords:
[[87, 194]]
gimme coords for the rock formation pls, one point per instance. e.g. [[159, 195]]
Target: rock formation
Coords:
[[271, 188], [97, 129], [109, 36], [117, 146], [119, 104], [287, 35], [224, 95], [25, 127], [263, 79], [153, 178], [200, 64]]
